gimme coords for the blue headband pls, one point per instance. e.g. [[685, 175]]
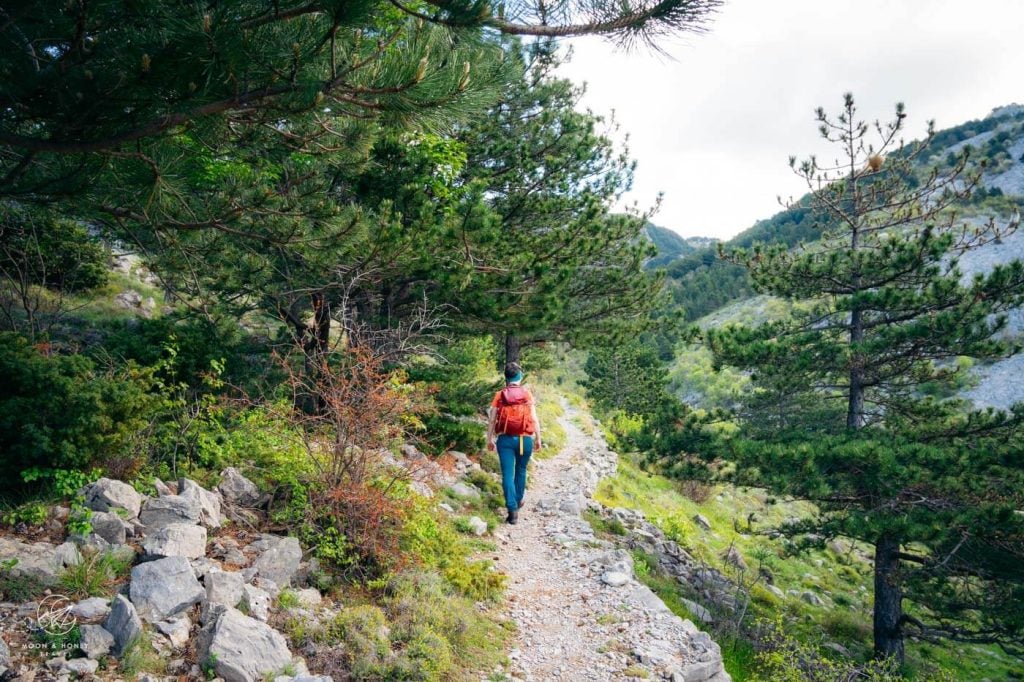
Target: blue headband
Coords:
[[516, 379]]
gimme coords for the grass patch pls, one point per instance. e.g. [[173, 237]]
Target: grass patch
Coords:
[[16, 586], [603, 526], [96, 575]]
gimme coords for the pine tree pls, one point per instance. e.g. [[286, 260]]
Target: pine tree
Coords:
[[933, 486]]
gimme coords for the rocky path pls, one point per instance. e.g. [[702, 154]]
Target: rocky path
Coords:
[[581, 615]]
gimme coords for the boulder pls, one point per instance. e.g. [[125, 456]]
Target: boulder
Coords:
[[308, 598], [160, 589], [163, 511], [5, 656], [410, 451], [208, 502], [477, 525], [811, 598], [242, 649], [95, 641], [702, 521], [224, 587], [123, 623], [237, 489], [111, 527], [93, 607], [106, 495], [176, 630], [256, 602], [40, 560], [699, 612], [280, 561], [614, 578], [176, 539]]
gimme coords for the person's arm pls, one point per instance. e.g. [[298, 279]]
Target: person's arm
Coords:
[[536, 425], [492, 412]]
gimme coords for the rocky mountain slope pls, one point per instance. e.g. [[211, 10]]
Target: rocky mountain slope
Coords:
[[719, 291]]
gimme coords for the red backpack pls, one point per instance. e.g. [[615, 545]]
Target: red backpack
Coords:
[[514, 414]]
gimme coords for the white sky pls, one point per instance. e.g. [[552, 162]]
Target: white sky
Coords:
[[713, 126]]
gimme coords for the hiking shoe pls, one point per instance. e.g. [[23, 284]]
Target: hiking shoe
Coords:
[[513, 516]]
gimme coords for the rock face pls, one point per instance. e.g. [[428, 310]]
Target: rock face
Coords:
[[237, 489], [123, 623], [242, 649], [177, 539], [224, 587], [280, 561], [106, 495], [163, 511], [163, 588], [93, 607]]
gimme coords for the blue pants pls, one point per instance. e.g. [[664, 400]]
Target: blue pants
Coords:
[[513, 467]]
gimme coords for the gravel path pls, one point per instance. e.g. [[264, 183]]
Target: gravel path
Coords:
[[580, 613]]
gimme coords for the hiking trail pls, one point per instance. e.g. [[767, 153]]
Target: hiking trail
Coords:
[[579, 611]]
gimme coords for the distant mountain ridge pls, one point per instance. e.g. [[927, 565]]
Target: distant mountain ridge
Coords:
[[701, 283]]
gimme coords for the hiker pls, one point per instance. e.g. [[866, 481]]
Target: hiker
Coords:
[[513, 428]]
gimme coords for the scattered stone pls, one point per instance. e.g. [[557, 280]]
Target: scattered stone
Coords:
[[176, 539], [702, 521], [160, 589], [614, 578], [208, 503], [5, 656], [811, 598], [224, 587], [477, 525], [162, 489], [123, 623], [163, 511], [204, 565], [444, 506], [776, 591], [733, 557], [241, 648], [95, 641], [410, 451], [463, 489], [699, 612], [280, 562], [110, 527], [308, 597], [256, 602], [237, 489], [176, 630], [108, 495], [80, 666]]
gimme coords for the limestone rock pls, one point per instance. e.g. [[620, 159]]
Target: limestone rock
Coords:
[[733, 556], [208, 502], [256, 602], [95, 641], [40, 560], [123, 623], [701, 613], [110, 527], [811, 598], [243, 649], [5, 656], [108, 495], [280, 561], [463, 489], [80, 666], [224, 587], [477, 525], [177, 539], [308, 598], [237, 489], [176, 630], [163, 588], [702, 521], [614, 578], [163, 511]]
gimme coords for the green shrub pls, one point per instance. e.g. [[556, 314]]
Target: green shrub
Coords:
[[96, 575], [363, 630], [50, 252], [61, 412]]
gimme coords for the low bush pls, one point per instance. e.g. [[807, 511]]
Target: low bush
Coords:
[[96, 575], [64, 412]]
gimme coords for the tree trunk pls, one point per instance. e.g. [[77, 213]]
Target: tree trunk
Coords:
[[321, 323], [888, 625], [855, 402], [511, 348]]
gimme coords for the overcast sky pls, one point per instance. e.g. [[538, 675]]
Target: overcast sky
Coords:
[[713, 126]]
